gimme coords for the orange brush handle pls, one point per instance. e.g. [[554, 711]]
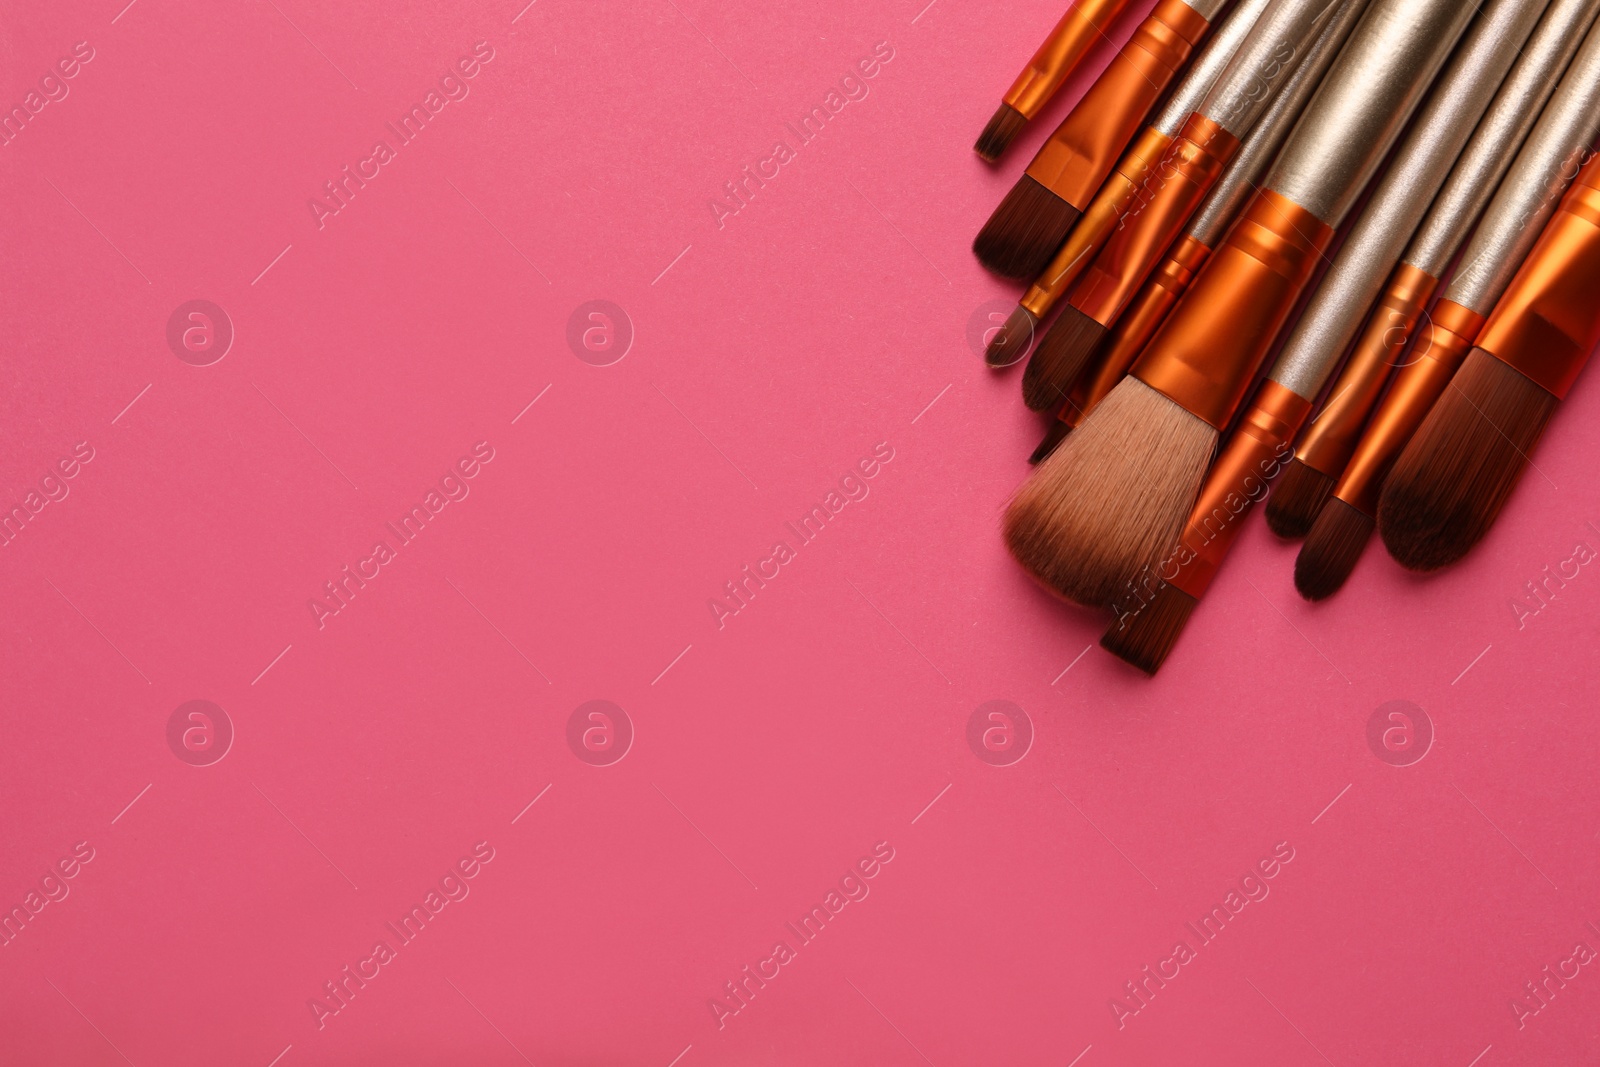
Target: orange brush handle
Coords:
[[1446, 336], [1135, 329], [1548, 321], [1080, 154], [1083, 24], [1169, 198], [1334, 433], [1098, 223], [1206, 353]]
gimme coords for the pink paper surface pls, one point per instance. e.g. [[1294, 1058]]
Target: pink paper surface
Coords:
[[773, 754]]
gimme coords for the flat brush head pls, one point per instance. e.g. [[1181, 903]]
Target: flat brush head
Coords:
[[1024, 231], [1052, 439], [1001, 131], [1113, 498], [1451, 481], [1146, 637], [1011, 341], [1296, 499], [1333, 547], [1063, 352]]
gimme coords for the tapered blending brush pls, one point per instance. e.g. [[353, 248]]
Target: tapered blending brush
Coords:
[[1038, 212], [1085, 22], [1122, 186], [1455, 476], [1372, 252], [1231, 194], [1509, 227], [1194, 163], [1113, 498], [1153, 613]]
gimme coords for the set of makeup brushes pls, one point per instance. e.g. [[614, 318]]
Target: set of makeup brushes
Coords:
[[1391, 205]]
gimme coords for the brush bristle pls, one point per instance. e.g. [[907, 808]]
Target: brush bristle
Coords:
[[1333, 547], [1024, 231], [1001, 131], [1296, 499], [1113, 498], [1052, 439], [1146, 637], [1062, 353], [1013, 340], [1451, 481]]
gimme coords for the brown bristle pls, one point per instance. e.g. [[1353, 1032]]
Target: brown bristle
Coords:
[[1012, 341], [1296, 498], [1024, 231], [1052, 439], [1449, 484], [1062, 353], [1333, 546], [1145, 636], [1113, 498], [1001, 131]]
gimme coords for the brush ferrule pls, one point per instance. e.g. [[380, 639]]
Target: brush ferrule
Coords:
[[1548, 321], [1084, 23], [1076, 159], [1206, 353]]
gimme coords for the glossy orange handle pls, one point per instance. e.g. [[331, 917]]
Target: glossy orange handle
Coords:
[[1083, 24]]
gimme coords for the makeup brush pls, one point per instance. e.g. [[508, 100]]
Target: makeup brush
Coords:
[[1118, 192], [1509, 227], [1453, 479], [1038, 212], [1084, 23], [1238, 184], [1191, 168], [1354, 289], [1153, 614], [1114, 497]]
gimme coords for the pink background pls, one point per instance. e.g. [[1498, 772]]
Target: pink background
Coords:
[[830, 714]]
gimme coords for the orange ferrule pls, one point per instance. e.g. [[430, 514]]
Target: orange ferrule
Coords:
[[1548, 321], [1333, 434], [1443, 341], [1083, 24], [1098, 223], [1170, 196], [1080, 154], [1209, 349], [1140, 323]]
